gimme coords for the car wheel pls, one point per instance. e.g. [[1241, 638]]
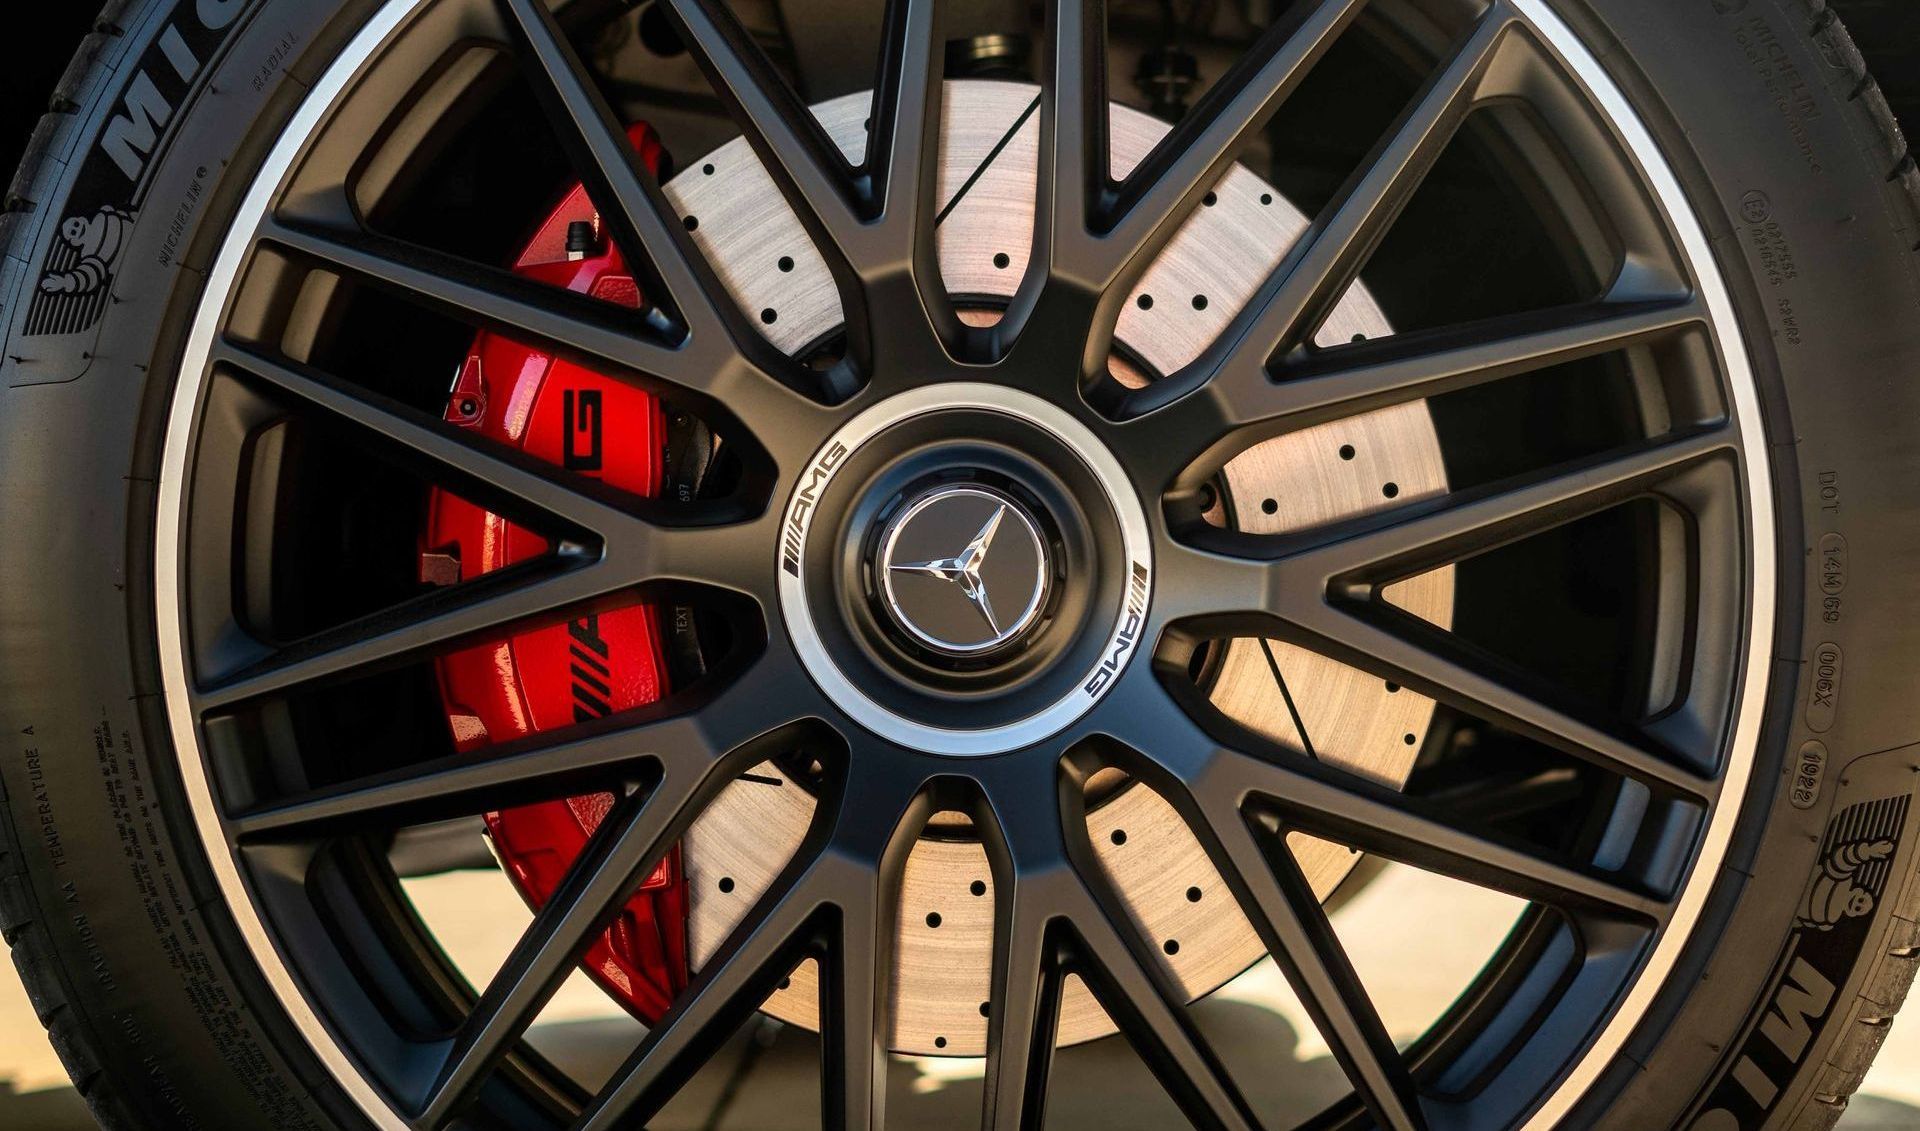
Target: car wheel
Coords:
[[962, 546]]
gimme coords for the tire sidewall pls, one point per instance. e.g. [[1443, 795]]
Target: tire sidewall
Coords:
[[177, 1018], [1757, 106]]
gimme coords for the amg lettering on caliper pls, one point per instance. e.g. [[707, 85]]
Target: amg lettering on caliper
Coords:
[[591, 670]]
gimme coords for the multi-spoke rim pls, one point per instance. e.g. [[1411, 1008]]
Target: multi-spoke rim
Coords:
[[1056, 915]]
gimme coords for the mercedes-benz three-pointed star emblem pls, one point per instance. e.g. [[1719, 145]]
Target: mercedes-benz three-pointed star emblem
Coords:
[[1018, 578], [964, 569]]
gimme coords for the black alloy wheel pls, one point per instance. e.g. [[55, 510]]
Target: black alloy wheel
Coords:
[[974, 569]]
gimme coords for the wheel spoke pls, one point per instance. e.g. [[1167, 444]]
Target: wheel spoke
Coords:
[[592, 333], [1354, 628], [837, 901], [1419, 537], [651, 237], [1431, 662], [1442, 669], [522, 598], [1326, 260], [1241, 405], [1247, 580], [803, 161], [435, 622], [1143, 1000], [1209, 779], [684, 736], [629, 843], [880, 820], [1374, 819], [1098, 240], [1349, 380], [632, 546], [1156, 199], [773, 936], [505, 480], [904, 147], [1023, 1018], [855, 1012], [463, 784], [1286, 913], [874, 223], [596, 334], [1023, 835], [1073, 149], [1052, 887], [880, 817], [1322, 594]]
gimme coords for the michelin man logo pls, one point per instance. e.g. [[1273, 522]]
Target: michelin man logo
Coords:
[[1835, 895], [98, 241]]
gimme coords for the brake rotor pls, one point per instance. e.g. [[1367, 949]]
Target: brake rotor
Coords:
[[1335, 713]]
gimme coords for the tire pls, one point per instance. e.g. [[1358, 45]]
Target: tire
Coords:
[[141, 973], [1885, 33]]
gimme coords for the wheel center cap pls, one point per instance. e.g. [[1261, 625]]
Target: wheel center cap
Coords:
[[964, 570], [1036, 612]]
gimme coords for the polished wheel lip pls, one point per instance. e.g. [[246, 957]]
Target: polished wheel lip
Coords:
[[1560, 39], [1124, 617], [955, 571], [1742, 745], [222, 275]]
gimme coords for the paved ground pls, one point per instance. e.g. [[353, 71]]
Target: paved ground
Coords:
[[1275, 1052]]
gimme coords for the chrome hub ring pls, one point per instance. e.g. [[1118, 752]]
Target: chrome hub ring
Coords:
[[1116, 621]]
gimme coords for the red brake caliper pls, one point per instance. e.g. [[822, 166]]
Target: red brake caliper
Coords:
[[552, 677]]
